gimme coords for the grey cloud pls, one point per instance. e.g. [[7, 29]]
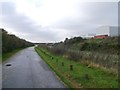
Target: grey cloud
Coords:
[[8, 8], [15, 20], [103, 12], [25, 27], [96, 14]]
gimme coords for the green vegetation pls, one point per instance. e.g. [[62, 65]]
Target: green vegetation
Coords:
[[106, 45], [75, 74], [101, 53], [9, 54], [10, 44], [94, 61]]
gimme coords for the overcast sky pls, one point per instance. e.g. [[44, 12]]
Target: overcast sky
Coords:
[[54, 20]]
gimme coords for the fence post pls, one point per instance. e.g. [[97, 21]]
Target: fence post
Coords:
[[71, 67], [52, 58], [62, 63]]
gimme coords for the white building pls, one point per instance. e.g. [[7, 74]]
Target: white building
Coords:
[[109, 30]]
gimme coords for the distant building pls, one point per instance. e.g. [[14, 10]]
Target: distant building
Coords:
[[87, 36], [108, 30], [101, 36]]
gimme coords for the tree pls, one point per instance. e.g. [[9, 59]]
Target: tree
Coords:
[[11, 42]]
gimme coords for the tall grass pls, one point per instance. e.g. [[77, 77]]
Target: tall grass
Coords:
[[91, 58], [81, 76]]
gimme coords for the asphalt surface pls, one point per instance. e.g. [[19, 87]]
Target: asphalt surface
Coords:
[[28, 70]]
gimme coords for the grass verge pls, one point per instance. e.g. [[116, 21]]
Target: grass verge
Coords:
[[9, 54], [81, 76]]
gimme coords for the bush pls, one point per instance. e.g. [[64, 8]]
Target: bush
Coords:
[[11, 42], [58, 51], [73, 55]]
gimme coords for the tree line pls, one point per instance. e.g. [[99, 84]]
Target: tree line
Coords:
[[11, 42]]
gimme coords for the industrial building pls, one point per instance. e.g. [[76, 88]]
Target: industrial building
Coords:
[[108, 30], [101, 36]]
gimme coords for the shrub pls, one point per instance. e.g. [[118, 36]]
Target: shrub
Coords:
[[73, 56], [58, 51]]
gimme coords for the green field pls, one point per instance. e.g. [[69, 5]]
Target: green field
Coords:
[[81, 75]]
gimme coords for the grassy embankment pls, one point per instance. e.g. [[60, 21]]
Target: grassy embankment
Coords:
[[81, 75], [9, 54], [95, 52]]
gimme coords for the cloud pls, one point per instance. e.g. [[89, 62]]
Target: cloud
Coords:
[[40, 21], [23, 26], [95, 15]]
